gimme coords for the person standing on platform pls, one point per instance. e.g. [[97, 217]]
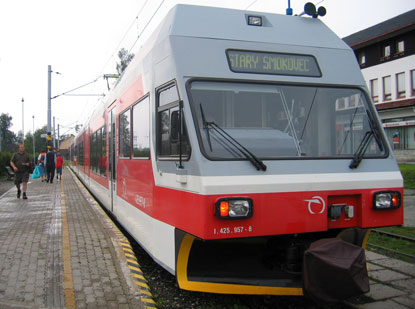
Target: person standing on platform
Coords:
[[20, 163], [41, 162], [59, 166], [50, 163]]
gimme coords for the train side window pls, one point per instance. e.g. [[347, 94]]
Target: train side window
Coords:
[[125, 135], [98, 152], [92, 151], [81, 154], [141, 129], [168, 125], [103, 157]]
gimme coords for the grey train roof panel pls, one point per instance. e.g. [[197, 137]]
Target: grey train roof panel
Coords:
[[185, 20]]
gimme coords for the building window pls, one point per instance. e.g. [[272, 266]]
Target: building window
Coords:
[[413, 82], [125, 135], [400, 84], [169, 132], [386, 51], [374, 90], [362, 58], [387, 88], [400, 47], [141, 129]]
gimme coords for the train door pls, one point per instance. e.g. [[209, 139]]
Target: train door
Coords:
[[112, 134]]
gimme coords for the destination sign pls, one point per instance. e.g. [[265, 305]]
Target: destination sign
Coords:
[[243, 61]]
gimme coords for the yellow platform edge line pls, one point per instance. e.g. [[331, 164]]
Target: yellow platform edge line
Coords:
[[124, 243], [69, 290]]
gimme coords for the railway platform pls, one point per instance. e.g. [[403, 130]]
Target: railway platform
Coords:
[[392, 284], [59, 249]]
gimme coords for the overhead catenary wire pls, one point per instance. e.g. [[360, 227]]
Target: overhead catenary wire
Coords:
[[142, 31], [124, 36], [116, 49], [66, 92], [251, 4]]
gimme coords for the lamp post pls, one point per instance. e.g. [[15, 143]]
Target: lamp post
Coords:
[[22, 120], [33, 138], [49, 115]]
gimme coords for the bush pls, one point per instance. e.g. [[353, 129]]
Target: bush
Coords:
[[4, 160], [408, 173]]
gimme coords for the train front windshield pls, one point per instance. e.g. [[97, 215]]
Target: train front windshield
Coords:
[[281, 121]]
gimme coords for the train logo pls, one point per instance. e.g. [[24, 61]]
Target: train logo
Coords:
[[140, 201], [317, 200]]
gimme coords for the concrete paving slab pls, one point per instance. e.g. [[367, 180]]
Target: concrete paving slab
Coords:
[[400, 266], [408, 284], [382, 292], [387, 304], [373, 267], [373, 256], [56, 252], [386, 275], [405, 301], [409, 207]]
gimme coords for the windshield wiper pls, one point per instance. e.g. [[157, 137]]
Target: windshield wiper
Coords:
[[361, 150], [358, 155], [245, 152], [375, 130]]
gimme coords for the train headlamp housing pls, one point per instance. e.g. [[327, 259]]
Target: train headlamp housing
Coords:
[[234, 208], [254, 20], [386, 200]]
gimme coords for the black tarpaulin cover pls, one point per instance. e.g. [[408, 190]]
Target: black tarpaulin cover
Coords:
[[334, 270]]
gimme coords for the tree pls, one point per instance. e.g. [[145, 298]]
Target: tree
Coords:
[[28, 143], [125, 59], [8, 139], [40, 142]]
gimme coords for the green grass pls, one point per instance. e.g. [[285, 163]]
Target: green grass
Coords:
[[400, 230], [408, 173], [400, 245]]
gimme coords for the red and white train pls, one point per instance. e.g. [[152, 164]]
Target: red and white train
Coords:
[[232, 141]]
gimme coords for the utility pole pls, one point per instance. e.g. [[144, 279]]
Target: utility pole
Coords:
[[22, 121], [54, 135], [33, 138], [58, 138], [49, 116]]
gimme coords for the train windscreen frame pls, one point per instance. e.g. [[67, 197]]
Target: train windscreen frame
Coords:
[[283, 121]]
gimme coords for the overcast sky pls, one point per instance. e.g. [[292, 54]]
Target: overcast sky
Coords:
[[80, 39]]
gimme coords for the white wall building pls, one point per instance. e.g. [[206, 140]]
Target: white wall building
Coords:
[[386, 54]]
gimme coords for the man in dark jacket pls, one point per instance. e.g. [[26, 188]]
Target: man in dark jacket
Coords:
[[20, 163], [50, 163]]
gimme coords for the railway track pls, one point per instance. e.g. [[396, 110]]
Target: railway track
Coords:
[[392, 251]]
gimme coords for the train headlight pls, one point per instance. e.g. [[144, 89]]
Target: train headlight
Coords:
[[255, 21], [386, 200], [234, 208]]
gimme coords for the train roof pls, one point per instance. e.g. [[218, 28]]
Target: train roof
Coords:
[[180, 34], [231, 24]]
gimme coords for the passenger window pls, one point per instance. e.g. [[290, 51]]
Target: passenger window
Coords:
[[141, 129], [168, 125], [125, 135], [98, 152]]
